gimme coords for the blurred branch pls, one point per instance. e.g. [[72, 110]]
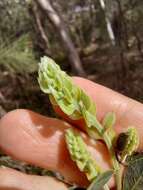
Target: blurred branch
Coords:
[[57, 21], [40, 27], [123, 24]]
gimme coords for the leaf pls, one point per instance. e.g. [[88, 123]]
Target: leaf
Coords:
[[135, 157], [100, 181], [109, 120], [133, 175]]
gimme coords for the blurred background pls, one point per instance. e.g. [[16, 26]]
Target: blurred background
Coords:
[[101, 40]]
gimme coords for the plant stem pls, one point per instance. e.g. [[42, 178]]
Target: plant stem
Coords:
[[118, 179], [115, 163], [117, 171], [107, 139]]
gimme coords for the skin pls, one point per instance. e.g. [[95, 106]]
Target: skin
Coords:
[[39, 140], [13, 180]]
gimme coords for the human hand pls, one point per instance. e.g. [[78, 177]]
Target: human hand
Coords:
[[39, 140]]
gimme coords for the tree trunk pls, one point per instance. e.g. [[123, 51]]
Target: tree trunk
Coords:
[[124, 32], [108, 23], [67, 42]]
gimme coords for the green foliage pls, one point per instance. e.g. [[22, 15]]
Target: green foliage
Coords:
[[109, 120], [14, 19], [81, 156], [16, 46], [18, 56], [133, 176], [100, 181]]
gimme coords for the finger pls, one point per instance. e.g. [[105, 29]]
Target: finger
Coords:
[[128, 111], [13, 180], [39, 140]]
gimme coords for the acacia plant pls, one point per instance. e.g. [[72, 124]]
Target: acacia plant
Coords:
[[77, 105]]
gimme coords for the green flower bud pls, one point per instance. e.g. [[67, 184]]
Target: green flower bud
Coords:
[[63, 92], [127, 143], [79, 154], [71, 99]]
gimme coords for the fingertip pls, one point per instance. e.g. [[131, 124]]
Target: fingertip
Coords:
[[12, 114]]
